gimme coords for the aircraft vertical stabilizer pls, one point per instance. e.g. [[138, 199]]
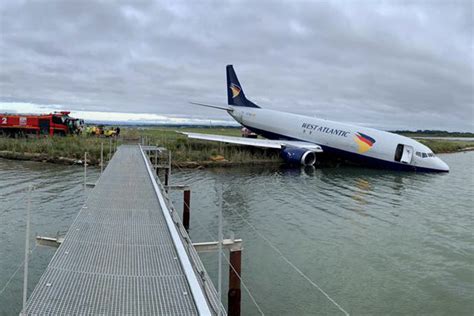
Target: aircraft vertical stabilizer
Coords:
[[235, 93]]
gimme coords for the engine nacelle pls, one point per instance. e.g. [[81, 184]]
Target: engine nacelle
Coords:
[[301, 156]]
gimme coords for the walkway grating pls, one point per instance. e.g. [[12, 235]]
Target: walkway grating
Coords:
[[120, 255]]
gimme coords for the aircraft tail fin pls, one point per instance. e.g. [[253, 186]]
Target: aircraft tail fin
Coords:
[[235, 93]]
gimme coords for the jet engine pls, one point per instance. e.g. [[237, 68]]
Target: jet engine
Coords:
[[301, 156]]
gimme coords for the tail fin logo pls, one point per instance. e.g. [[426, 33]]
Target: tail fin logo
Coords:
[[235, 90], [365, 142]]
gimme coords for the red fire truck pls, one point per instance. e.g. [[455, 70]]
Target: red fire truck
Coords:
[[57, 123]]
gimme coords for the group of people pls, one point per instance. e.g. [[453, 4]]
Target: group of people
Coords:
[[100, 130]]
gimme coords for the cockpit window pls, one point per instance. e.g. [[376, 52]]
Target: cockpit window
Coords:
[[425, 155]]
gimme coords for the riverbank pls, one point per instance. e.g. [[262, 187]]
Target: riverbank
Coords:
[[186, 153], [57, 149], [441, 146]]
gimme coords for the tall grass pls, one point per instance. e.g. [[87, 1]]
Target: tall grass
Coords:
[[192, 150], [72, 147], [446, 146], [185, 151]]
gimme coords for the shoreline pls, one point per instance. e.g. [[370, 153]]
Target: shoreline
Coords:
[[38, 157], [187, 153], [11, 155]]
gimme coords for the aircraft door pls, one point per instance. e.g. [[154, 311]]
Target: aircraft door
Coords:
[[404, 153], [407, 154]]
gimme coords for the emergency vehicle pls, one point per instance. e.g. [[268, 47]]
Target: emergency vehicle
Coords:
[[57, 123]]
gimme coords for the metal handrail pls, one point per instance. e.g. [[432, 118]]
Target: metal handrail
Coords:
[[194, 285]]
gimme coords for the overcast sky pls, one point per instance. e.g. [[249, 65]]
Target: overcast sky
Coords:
[[387, 64]]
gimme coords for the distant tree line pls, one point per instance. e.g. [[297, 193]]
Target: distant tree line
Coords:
[[433, 133]]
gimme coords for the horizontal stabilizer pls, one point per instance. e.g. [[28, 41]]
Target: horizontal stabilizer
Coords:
[[256, 142], [220, 107]]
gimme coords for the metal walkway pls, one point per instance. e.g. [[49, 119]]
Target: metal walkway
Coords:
[[124, 253]]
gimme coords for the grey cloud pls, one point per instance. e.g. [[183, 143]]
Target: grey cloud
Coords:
[[386, 64]]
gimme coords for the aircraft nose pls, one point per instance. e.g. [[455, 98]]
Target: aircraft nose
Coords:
[[442, 166]]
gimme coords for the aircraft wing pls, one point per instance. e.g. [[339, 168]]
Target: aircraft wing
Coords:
[[264, 143]]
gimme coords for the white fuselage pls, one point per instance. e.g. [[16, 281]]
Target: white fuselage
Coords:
[[372, 145]]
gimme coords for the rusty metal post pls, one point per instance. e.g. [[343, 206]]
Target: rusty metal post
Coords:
[[234, 294], [186, 208]]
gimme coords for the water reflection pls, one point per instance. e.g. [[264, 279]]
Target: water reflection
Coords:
[[236, 197], [368, 193], [349, 226], [55, 201], [363, 187], [407, 235]]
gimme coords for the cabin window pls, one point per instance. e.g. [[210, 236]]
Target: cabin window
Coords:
[[399, 152]]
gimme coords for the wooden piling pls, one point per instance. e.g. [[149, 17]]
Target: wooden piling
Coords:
[[234, 294], [101, 157], [110, 148], [186, 208], [85, 170], [167, 180]]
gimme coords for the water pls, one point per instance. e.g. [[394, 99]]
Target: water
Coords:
[[377, 242], [55, 202]]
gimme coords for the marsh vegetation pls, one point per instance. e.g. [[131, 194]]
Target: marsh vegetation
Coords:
[[186, 152]]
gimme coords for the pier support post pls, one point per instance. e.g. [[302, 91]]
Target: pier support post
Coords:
[[110, 148], [167, 179], [235, 269], [234, 294], [85, 170], [168, 170], [27, 250], [101, 157], [186, 208]]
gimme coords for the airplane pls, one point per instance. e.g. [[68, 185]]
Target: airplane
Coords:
[[301, 139]]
